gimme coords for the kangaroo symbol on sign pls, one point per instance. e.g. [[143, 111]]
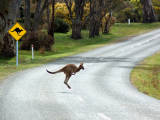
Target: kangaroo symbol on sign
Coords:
[[18, 31]]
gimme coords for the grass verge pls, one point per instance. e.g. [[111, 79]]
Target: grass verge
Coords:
[[146, 76], [65, 46]]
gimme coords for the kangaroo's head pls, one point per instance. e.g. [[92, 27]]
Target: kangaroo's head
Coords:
[[21, 30], [81, 66]]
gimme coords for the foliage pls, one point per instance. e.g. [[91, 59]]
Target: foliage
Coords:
[[38, 39], [109, 20], [129, 13], [130, 10], [146, 77], [61, 25], [156, 6], [121, 17], [138, 9], [86, 11], [41, 21], [61, 11]]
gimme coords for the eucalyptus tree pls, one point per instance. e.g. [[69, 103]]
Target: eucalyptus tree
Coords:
[[8, 12], [98, 10], [37, 14], [40, 7], [77, 22], [113, 6], [95, 16], [148, 13]]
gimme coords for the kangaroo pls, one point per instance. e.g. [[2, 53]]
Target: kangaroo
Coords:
[[17, 30], [69, 70]]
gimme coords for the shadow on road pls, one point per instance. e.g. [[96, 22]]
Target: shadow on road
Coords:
[[78, 59], [66, 92]]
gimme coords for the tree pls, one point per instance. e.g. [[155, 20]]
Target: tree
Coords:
[[96, 8], [77, 22], [156, 5], [27, 18], [112, 6], [37, 14], [51, 30], [138, 10], [8, 12], [148, 13], [62, 12]]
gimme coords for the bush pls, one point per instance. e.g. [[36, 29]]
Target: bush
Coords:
[[38, 39], [56, 24], [62, 25], [107, 23]]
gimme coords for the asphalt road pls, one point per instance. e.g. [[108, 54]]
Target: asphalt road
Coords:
[[102, 91]]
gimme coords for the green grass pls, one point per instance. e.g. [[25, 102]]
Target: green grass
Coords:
[[146, 76], [65, 46]]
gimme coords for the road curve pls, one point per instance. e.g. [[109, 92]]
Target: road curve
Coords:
[[102, 91]]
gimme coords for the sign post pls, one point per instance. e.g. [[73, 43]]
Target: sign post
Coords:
[[128, 21], [17, 53], [32, 52], [17, 32]]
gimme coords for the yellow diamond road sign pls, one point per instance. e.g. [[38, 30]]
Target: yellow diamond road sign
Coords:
[[17, 31]]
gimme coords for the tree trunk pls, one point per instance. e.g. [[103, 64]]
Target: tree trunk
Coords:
[[95, 17], [97, 26], [38, 12], [48, 21], [92, 29], [51, 31], [76, 31], [99, 16], [8, 49], [27, 18], [106, 29], [77, 23], [92, 20], [148, 13], [36, 16], [8, 12]]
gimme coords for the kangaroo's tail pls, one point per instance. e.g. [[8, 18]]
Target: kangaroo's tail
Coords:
[[53, 72]]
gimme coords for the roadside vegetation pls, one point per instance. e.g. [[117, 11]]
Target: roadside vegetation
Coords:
[[146, 76], [66, 46]]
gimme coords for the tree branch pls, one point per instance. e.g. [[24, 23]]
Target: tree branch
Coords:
[[69, 8]]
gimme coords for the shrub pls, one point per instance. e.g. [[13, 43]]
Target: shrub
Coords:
[[38, 39], [62, 25], [42, 49], [56, 24], [107, 23]]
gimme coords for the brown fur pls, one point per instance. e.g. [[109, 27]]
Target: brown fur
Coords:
[[69, 70]]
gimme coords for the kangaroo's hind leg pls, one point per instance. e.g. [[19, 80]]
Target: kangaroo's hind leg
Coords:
[[66, 80]]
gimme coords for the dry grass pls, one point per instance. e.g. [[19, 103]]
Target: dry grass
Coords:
[[146, 76], [42, 49]]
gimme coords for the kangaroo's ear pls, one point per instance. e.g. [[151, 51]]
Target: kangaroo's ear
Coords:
[[81, 63]]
